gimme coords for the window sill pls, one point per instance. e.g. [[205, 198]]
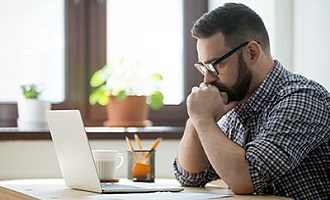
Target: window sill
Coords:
[[98, 133]]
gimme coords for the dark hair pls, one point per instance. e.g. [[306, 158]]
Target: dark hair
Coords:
[[237, 22]]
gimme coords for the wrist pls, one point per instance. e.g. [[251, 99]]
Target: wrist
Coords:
[[190, 128], [202, 123]]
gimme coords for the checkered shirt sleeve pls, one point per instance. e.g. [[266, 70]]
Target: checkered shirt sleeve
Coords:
[[200, 179]]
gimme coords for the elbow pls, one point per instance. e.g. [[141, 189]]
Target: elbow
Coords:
[[241, 183], [242, 190]]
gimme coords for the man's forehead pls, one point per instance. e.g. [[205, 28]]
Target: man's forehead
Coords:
[[210, 48], [217, 38]]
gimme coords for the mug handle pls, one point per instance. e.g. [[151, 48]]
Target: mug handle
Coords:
[[121, 161]]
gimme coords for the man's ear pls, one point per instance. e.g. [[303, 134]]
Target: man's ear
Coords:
[[254, 53]]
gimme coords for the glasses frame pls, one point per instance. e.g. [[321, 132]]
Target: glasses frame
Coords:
[[210, 67]]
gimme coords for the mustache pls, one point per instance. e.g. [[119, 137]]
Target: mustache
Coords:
[[221, 88]]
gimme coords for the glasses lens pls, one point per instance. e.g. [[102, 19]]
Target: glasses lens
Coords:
[[201, 68], [211, 69]]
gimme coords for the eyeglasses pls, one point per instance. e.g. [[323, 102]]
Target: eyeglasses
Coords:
[[202, 68]]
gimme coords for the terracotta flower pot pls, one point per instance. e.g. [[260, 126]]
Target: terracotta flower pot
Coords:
[[132, 111]]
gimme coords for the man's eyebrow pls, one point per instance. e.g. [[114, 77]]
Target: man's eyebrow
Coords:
[[210, 61]]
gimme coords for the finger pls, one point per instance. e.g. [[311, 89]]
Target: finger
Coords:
[[195, 88], [204, 85]]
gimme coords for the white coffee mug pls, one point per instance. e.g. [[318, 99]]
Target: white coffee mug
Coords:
[[106, 162]]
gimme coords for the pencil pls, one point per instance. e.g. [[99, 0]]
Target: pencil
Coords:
[[156, 143], [153, 147], [137, 140], [131, 147]]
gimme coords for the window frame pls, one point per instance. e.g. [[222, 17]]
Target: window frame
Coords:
[[85, 51]]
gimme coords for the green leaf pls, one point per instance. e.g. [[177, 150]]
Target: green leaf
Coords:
[[30, 91], [121, 94], [99, 96], [103, 100], [101, 76], [156, 100], [97, 79], [156, 77], [93, 98]]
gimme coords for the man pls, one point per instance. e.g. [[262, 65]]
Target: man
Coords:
[[273, 136]]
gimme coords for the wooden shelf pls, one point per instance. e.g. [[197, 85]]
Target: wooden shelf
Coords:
[[97, 133]]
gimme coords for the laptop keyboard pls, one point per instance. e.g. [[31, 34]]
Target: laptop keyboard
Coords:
[[117, 186]]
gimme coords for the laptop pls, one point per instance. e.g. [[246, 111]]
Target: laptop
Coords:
[[76, 160]]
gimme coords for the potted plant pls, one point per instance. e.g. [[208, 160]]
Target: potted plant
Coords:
[[120, 87], [31, 110]]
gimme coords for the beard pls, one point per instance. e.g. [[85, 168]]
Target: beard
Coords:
[[243, 82]]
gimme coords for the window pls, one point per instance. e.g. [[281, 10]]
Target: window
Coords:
[[146, 34], [85, 50], [32, 48]]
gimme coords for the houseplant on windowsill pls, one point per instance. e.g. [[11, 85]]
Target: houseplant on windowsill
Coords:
[[119, 86], [31, 110]]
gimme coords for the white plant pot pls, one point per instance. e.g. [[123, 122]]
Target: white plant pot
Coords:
[[31, 114]]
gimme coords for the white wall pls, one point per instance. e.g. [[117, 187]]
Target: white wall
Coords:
[[299, 32], [37, 159], [311, 40]]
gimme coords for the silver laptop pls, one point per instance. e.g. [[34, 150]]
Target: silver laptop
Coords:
[[76, 160]]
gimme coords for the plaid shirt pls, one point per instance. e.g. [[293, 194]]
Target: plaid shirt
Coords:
[[288, 118]]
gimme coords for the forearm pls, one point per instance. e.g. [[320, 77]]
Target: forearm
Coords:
[[191, 155], [226, 157]]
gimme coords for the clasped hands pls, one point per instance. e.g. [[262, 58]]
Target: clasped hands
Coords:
[[207, 102]]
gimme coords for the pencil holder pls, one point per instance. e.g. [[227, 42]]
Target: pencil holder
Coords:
[[141, 165]]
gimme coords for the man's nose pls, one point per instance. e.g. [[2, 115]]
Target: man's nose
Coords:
[[209, 78]]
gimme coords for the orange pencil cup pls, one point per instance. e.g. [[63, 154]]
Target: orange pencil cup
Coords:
[[141, 165]]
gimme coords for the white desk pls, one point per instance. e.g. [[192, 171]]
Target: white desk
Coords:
[[31, 189]]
